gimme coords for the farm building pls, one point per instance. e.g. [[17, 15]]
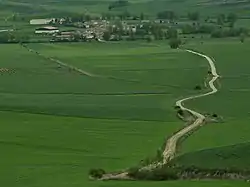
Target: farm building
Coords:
[[47, 30], [41, 21]]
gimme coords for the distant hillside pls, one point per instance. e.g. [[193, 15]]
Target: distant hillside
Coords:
[[150, 7]]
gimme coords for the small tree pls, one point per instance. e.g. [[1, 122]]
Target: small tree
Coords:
[[172, 33], [106, 35], [242, 37], [194, 16], [221, 19], [150, 38], [174, 43], [231, 18], [142, 16]]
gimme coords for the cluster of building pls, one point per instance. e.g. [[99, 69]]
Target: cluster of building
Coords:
[[93, 29]]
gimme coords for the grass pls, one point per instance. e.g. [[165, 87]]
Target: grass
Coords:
[[43, 150], [222, 145], [140, 90], [234, 157], [39, 150]]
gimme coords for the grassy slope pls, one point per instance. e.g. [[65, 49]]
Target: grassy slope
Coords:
[[149, 7], [236, 156], [232, 63], [39, 150]]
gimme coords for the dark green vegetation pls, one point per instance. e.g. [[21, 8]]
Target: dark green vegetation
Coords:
[[149, 7]]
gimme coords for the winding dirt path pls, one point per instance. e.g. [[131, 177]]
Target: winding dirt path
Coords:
[[171, 144]]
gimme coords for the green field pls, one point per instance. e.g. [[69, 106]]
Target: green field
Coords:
[[57, 123], [223, 145], [136, 92]]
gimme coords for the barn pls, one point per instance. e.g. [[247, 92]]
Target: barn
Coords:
[[47, 30]]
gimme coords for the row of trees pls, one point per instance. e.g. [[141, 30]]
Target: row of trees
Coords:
[[213, 30], [13, 37]]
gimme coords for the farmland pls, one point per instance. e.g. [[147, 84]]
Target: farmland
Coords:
[[71, 103], [64, 94], [61, 145]]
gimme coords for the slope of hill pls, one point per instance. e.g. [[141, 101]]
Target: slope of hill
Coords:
[[149, 7]]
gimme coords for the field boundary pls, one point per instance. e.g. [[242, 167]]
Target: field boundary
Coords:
[[83, 72]]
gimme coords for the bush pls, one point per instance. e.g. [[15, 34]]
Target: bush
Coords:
[[174, 43], [198, 87], [96, 173]]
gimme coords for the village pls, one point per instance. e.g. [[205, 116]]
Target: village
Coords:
[[63, 30]]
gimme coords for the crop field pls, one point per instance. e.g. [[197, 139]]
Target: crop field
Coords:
[[226, 144], [126, 90], [135, 91]]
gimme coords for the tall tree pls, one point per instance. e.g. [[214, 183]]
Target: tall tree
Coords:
[[170, 15], [221, 19], [194, 16], [231, 18], [142, 16], [106, 35]]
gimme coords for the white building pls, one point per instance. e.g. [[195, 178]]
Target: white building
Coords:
[[41, 21], [47, 30]]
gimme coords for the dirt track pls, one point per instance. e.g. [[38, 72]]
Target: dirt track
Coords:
[[171, 144], [170, 148]]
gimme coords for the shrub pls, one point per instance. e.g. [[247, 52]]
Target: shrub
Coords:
[[174, 43], [96, 173]]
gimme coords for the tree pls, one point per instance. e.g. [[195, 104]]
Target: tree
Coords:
[[142, 16], [4, 37], [242, 37], [172, 33], [231, 18], [174, 43], [221, 19], [150, 38], [170, 15], [106, 35], [194, 16]]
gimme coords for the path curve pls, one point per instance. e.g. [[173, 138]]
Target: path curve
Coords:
[[170, 148]]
